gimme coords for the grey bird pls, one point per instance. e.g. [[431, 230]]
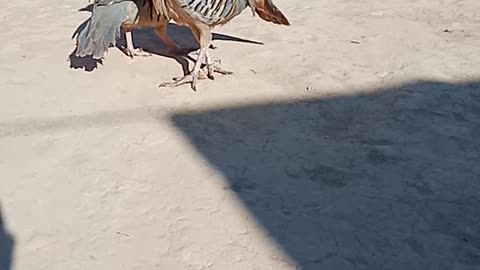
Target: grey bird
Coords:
[[108, 17]]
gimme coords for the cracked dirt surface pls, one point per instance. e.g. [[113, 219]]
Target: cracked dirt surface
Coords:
[[349, 140]]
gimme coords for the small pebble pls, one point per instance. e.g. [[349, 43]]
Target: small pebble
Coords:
[[383, 75], [377, 13]]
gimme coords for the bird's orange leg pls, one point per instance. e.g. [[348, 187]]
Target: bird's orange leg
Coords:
[[189, 78], [204, 36]]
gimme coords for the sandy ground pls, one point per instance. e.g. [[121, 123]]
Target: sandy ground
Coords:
[[349, 140]]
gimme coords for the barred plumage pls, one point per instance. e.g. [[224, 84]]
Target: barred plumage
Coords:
[[213, 11], [202, 15]]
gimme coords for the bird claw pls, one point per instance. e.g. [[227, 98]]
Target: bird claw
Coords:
[[136, 52], [198, 72], [190, 78], [214, 67], [193, 78], [202, 75]]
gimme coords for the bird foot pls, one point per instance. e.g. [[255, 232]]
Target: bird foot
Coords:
[[136, 52], [192, 78], [198, 72], [215, 67], [189, 78]]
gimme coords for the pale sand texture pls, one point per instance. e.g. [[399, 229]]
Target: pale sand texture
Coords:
[[349, 140]]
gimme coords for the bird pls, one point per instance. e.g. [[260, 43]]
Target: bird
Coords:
[[201, 16], [110, 16]]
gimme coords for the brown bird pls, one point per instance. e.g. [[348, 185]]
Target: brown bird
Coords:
[[202, 16], [109, 16]]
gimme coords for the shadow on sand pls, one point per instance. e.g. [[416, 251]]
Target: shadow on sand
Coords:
[[6, 246], [386, 180]]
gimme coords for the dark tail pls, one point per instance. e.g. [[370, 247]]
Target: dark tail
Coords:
[[102, 29], [269, 12]]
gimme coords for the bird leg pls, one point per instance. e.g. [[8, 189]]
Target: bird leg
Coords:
[[214, 66], [173, 48], [198, 73], [161, 32], [130, 50], [204, 37], [189, 78]]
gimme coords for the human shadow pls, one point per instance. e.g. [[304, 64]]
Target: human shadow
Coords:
[[146, 39], [6, 246], [384, 180]]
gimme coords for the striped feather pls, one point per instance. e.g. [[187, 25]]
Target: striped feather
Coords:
[[213, 12]]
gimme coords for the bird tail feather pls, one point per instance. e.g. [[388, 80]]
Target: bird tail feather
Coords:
[[270, 13], [101, 30]]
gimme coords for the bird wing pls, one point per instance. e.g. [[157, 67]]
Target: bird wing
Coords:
[[161, 8], [270, 13], [103, 27], [214, 12]]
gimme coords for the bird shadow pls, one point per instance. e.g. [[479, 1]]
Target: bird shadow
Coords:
[[88, 8], [6, 246], [87, 63], [147, 40]]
